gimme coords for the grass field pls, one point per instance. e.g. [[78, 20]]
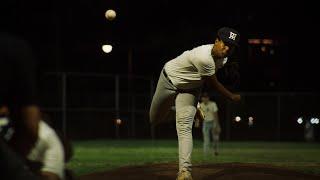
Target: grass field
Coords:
[[99, 155]]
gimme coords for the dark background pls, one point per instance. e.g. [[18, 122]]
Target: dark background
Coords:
[[67, 36]]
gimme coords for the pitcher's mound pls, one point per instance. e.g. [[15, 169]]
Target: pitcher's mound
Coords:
[[229, 171]]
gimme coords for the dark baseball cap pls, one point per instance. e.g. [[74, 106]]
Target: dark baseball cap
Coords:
[[229, 36]]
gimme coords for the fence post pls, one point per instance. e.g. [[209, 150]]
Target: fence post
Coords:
[[133, 120], [117, 105], [278, 117], [228, 119]]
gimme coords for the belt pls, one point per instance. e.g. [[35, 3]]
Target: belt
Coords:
[[166, 75]]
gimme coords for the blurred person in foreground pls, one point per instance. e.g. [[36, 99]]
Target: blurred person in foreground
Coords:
[[29, 147], [18, 105]]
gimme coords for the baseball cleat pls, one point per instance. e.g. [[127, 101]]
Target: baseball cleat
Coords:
[[184, 175]]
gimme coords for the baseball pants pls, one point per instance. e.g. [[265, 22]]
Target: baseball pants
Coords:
[[185, 101]]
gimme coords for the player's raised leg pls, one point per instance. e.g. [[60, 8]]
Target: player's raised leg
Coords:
[[162, 100]]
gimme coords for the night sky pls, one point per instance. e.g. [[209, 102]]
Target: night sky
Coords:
[[67, 37]]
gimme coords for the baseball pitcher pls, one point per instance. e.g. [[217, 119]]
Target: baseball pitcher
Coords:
[[180, 84]]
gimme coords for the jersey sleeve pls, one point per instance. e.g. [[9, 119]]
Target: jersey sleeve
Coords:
[[214, 107], [53, 161], [205, 66]]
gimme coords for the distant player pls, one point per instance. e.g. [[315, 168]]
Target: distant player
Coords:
[[180, 84], [308, 131], [210, 126]]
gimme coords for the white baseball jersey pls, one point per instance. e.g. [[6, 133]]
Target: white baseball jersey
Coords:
[[208, 110], [186, 70], [49, 151]]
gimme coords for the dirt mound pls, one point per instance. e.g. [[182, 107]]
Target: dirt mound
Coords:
[[230, 171]]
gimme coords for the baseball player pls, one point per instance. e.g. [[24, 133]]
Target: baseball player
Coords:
[[180, 84], [211, 125], [47, 158], [18, 103], [49, 152]]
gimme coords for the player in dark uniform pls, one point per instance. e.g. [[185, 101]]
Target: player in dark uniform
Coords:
[[18, 106]]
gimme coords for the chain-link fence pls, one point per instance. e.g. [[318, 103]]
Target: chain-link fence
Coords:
[[113, 106]]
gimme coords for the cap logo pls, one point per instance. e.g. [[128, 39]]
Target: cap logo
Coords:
[[232, 36]]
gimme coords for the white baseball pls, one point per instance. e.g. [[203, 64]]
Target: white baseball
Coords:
[[110, 14]]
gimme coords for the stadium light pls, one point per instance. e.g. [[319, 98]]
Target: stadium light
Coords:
[[254, 41], [267, 41], [314, 120], [237, 118], [300, 120], [107, 48], [250, 123], [118, 122]]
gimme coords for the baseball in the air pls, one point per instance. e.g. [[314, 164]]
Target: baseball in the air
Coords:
[[237, 118], [118, 122], [110, 14]]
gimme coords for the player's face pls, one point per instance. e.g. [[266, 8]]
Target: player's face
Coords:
[[205, 99], [220, 49]]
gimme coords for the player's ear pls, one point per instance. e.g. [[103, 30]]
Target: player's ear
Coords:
[[226, 48]]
